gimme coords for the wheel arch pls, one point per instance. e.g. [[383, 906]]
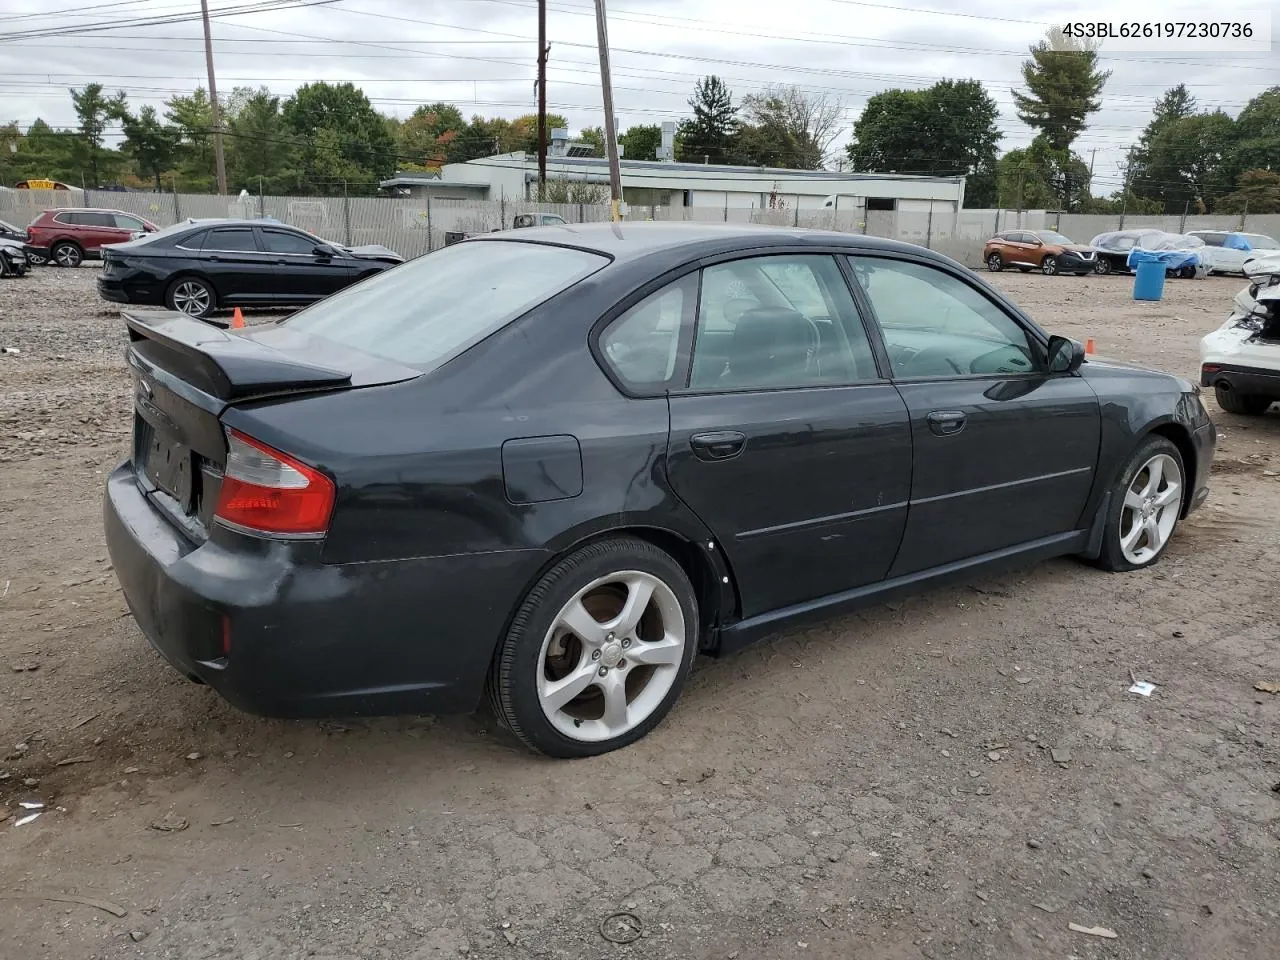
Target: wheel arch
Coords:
[[700, 557], [1177, 434]]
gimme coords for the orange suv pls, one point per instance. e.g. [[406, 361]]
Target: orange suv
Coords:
[[1044, 250]]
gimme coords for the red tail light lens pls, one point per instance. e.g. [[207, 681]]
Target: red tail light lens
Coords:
[[267, 491]]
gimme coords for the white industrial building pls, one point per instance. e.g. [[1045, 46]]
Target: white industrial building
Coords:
[[514, 177]]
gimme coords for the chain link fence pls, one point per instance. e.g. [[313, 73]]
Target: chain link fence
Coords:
[[414, 226]]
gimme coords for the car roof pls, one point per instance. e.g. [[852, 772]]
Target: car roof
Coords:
[[94, 210], [631, 240]]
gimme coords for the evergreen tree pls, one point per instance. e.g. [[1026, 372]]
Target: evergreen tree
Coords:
[[711, 132], [1063, 86]]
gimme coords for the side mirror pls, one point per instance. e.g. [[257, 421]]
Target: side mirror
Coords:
[[1065, 356], [324, 250]]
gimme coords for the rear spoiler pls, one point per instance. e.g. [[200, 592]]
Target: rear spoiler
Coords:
[[221, 364]]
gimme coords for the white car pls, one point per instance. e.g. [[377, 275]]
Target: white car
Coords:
[[1241, 359], [1229, 250]]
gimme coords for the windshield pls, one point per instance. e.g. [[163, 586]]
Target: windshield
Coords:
[[1048, 236], [427, 311]]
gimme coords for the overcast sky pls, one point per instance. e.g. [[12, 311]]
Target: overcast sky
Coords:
[[480, 54]]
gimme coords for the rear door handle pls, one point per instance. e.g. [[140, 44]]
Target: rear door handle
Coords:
[[946, 422], [719, 445]]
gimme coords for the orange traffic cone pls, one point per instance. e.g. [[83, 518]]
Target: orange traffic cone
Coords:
[[1088, 344], [237, 321]]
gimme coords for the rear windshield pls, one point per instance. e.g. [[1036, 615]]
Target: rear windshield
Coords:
[[428, 310]]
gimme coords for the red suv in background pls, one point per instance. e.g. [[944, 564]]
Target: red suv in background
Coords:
[[69, 236]]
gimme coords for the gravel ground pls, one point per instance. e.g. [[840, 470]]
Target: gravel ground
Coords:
[[960, 775]]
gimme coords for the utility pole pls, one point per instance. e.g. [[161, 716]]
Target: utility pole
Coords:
[[218, 160], [1124, 200], [542, 98], [610, 127]]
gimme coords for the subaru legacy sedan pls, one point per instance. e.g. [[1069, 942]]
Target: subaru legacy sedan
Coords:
[[547, 468]]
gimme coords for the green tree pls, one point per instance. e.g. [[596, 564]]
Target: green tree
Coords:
[[260, 151], [1257, 144], [948, 129], [42, 153], [1063, 88], [343, 138], [1187, 162], [93, 111], [595, 137], [192, 114], [1259, 192], [1040, 177], [432, 136], [711, 133], [152, 145], [642, 142], [786, 127]]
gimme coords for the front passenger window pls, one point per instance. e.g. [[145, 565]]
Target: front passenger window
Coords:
[[936, 325]]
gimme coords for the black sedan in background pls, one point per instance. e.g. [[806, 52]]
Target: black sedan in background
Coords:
[[553, 465], [205, 265]]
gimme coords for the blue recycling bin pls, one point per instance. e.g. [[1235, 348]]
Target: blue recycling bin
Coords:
[[1148, 281]]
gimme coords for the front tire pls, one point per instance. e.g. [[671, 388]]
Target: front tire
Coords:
[[1245, 404], [192, 296], [67, 254], [598, 651], [1146, 505], [1102, 267], [1049, 265], [994, 263]]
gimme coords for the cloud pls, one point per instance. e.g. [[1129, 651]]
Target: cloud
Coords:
[[480, 54]]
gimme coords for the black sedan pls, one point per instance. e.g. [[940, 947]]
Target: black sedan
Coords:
[[203, 265], [554, 465]]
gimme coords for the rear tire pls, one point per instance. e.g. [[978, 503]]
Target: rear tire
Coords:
[[620, 605], [994, 263], [66, 254], [191, 295], [1146, 504], [1245, 404]]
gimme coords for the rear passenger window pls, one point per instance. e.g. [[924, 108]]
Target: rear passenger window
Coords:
[[643, 345], [232, 239], [780, 321]]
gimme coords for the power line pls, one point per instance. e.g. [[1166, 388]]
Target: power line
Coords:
[[260, 6]]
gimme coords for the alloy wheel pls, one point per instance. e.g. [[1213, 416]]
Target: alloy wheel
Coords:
[[1102, 266], [66, 255], [1049, 266], [192, 298], [994, 263], [1152, 503], [611, 656]]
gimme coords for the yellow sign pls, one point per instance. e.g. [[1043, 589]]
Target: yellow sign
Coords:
[[40, 185]]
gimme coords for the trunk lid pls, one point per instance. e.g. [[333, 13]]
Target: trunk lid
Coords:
[[186, 373]]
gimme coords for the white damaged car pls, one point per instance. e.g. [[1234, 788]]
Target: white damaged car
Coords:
[[1241, 359]]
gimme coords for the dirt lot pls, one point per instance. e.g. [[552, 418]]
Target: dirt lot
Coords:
[[882, 786]]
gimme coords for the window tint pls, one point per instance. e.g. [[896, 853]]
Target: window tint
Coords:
[[936, 325], [192, 242], [230, 239], [427, 311], [72, 219], [1212, 239], [282, 241], [643, 345], [98, 220], [123, 221], [783, 321]]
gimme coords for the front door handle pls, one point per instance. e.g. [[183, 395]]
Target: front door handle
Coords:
[[946, 422], [719, 445]]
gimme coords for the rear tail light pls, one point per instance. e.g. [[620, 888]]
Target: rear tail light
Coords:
[[267, 491]]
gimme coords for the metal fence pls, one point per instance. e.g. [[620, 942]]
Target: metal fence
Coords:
[[414, 226]]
